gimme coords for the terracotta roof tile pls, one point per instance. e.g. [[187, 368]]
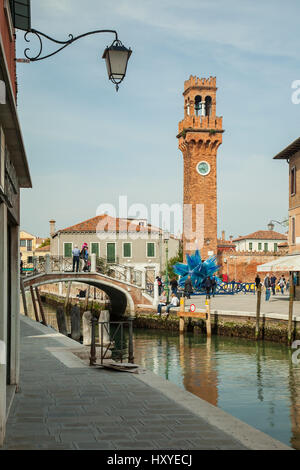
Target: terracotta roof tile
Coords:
[[263, 235]]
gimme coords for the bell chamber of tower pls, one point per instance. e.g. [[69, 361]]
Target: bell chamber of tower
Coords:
[[200, 134]]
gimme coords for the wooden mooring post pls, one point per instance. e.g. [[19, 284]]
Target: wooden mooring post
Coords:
[[24, 298], [258, 304], [291, 304], [75, 322], [61, 321], [40, 306], [204, 315], [34, 304], [68, 296]]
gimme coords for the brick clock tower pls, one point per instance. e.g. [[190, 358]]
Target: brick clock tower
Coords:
[[200, 134]]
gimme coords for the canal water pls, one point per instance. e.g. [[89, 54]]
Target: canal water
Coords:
[[255, 382]]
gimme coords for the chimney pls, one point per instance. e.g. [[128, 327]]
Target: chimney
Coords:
[[52, 227], [230, 238], [223, 235]]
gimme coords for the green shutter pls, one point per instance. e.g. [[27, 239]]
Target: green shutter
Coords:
[[21, 15], [259, 246], [150, 250], [127, 250], [95, 249], [250, 246], [68, 250], [111, 252], [266, 247], [275, 247]]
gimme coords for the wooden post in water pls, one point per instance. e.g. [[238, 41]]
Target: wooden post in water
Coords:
[[87, 295], [181, 319], [258, 304], [61, 321], [34, 304], [75, 322], [68, 296], [291, 302], [40, 306], [24, 298], [130, 342], [208, 320]]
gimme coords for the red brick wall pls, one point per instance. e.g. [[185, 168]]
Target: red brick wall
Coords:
[[9, 45], [243, 266]]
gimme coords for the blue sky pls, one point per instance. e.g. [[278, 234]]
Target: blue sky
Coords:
[[87, 144]]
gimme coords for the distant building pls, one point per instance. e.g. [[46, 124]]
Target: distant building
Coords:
[[129, 242], [28, 247], [261, 240]]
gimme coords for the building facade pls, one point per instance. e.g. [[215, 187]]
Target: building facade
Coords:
[[125, 242], [200, 135], [261, 241], [14, 174]]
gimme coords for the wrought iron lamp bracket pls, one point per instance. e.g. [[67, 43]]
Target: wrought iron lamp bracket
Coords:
[[64, 44]]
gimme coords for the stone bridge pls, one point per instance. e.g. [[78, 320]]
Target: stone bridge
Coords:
[[124, 295]]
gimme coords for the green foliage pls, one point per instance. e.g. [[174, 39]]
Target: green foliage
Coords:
[[176, 259], [45, 243]]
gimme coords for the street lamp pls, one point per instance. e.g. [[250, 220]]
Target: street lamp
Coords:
[[116, 55], [284, 223], [166, 240]]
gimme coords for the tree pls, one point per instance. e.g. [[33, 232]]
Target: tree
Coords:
[[176, 259], [45, 243]]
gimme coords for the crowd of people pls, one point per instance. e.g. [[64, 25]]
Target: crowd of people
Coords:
[[210, 288], [272, 283]]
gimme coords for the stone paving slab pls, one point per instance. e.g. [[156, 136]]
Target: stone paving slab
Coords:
[[62, 407]]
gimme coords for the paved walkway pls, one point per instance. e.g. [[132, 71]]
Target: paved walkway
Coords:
[[65, 404], [278, 304]]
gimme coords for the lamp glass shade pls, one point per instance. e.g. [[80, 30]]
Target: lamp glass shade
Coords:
[[116, 58], [270, 226]]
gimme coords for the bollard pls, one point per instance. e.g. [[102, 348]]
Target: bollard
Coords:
[[75, 322], [87, 328], [104, 318], [61, 321]]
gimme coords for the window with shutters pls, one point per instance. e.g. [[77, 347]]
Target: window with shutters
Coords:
[[265, 247], [95, 249], [150, 250], [293, 230], [68, 250], [250, 246], [275, 247], [126, 250], [29, 245], [259, 246], [21, 14], [23, 243]]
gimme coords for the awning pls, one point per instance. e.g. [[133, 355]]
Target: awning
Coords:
[[285, 263]]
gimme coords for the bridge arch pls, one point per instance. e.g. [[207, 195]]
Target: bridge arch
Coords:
[[123, 296]]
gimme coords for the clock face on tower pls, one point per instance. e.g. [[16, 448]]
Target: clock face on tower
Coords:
[[203, 168]]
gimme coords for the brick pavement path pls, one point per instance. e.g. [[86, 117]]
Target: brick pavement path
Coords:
[[65, 407]]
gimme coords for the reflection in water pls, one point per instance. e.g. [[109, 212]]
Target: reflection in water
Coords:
[[254, 381]]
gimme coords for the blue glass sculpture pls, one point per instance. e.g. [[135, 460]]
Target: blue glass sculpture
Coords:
[[198, 270]]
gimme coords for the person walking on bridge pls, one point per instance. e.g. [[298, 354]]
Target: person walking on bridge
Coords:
[[76, 254]]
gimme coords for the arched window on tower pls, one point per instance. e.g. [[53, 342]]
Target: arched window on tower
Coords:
[[208, 106], [188, 108], [198, 105]]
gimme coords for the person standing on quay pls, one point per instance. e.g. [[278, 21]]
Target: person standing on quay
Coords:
[[208, 286], [267, 284], [76, 254], [159, 283], [188, 288], [174, 285], [281, 284], [213, 285], [273, 283]]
